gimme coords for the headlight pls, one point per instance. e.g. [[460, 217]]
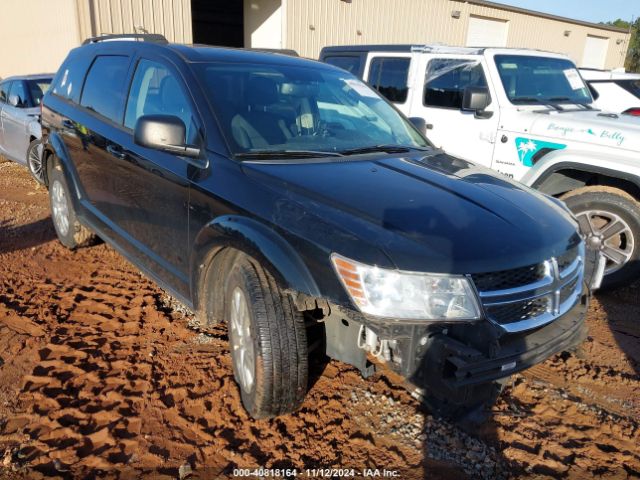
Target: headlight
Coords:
[[407, 295]]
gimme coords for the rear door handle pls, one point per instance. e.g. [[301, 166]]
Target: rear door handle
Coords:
[[429, 126], [116, 151]]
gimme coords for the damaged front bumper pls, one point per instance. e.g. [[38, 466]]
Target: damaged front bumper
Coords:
[[450, 357]]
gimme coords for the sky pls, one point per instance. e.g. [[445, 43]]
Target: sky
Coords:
[[588, 10]]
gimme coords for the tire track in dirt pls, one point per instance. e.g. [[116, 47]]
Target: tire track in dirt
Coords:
[[101, 376]]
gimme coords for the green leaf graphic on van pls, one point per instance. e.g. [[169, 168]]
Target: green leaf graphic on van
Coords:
[[529, 149]]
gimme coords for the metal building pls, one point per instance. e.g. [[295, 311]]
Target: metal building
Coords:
[[35, 35]]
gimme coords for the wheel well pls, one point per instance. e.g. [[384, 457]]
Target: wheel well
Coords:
[[209, 298], [563, 181], [47, 156]]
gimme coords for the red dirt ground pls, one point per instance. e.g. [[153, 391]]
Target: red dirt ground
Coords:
[[101, 376]]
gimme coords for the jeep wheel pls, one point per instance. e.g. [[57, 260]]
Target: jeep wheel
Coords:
[[34, 161], [609, 220], [69, 230], [267, 340]]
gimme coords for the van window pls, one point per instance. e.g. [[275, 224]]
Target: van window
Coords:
[[389, 75], [155, 90], [103, 90], [68, 81], [350, 63], [446, 79]]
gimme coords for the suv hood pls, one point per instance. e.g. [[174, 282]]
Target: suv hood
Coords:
[[428, 212], [588, 126]]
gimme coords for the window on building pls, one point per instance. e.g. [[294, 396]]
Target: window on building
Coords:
[[389, 75], [447, 78], [155, 90], [350, 63], [19, 91], [104, 86]]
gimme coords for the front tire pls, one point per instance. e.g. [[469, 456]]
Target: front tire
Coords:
[[609, 220], [34, 160], [70, 232], [267, 339]]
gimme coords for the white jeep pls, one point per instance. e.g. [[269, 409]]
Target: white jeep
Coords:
[[527, 114]]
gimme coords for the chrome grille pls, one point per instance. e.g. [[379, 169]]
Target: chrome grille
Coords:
[[532, 296]]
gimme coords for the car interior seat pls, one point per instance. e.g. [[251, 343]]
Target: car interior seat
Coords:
[[259, 126]]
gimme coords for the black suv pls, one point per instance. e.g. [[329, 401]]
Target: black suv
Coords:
[[288, 199]]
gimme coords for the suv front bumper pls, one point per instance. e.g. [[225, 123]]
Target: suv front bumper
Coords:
[[447, 362]]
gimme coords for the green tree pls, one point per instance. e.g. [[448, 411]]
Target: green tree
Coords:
[[632, 62]]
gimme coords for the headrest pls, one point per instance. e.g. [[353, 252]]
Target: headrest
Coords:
[[262, 91]]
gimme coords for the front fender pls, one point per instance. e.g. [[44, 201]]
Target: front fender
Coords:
[[257, 240], [618, 165]]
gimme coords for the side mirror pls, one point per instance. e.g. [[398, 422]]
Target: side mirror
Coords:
[[476, 99], [419, 123], [163, 132], [14, 100]]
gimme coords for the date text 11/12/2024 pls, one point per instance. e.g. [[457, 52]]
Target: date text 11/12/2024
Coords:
[[315, 473]]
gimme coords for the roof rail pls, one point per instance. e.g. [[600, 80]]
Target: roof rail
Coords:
[[136, 37]]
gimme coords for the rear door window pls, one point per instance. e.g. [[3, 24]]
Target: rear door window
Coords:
[[447, 78], [350, 63], [37, 89], [103, 91], [389, 76]]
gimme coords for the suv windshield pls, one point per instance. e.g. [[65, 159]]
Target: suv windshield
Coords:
[[282, 108], [531, 80]]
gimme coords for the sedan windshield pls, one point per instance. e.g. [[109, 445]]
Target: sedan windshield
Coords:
[[539, 80], [269, 109]]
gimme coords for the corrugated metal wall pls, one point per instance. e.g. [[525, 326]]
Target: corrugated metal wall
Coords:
[[171, 18], [35, 38], [310, 25]]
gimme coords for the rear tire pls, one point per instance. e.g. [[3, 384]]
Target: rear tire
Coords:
[[609, 220], [34, 160], [267, 339], [70, 232]]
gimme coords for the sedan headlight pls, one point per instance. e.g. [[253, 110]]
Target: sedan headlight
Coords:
[[407, 295]]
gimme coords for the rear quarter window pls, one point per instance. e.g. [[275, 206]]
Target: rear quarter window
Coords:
[[68, 81], [350, 63], [389, 76], [104, 91]]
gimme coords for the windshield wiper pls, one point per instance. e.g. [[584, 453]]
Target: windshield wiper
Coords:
[[380, 148], [286, 154], [567, 99], [536, 100]]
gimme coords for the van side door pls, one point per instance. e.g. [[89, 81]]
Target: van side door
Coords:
[[462, 133]]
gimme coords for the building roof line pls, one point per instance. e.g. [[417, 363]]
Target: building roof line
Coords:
[[502, 6]]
